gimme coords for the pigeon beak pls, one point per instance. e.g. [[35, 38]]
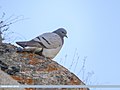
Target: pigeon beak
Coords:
[[66, 36]]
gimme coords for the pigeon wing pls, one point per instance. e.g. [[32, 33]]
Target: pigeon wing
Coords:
[[46, 40], [49, 40], [30, 44]]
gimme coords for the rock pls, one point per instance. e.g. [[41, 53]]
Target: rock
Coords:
[[5, 79], [31, 69]]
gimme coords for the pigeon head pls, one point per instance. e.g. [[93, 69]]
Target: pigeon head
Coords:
[[61, 32]]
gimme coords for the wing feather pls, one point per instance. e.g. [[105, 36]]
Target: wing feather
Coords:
[[49, 40]]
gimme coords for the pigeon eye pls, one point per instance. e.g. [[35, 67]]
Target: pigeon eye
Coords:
[[62, 32]]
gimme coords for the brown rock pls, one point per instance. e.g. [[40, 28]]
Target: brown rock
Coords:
[[6, 79], [31, 69]]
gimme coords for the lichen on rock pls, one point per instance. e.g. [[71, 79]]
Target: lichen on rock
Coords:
[[31, 69]]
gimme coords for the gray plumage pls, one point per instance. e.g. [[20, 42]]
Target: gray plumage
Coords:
[[49, 44]]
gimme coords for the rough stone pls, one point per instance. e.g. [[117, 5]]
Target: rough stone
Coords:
[[28, 68]]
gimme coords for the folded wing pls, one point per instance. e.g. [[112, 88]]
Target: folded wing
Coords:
[[46, 40]]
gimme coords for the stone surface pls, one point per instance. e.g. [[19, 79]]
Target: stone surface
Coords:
[[5, 79], [31, 69]]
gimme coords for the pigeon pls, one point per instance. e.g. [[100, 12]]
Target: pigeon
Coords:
[[47, 44]]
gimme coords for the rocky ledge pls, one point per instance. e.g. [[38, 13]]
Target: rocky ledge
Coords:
[[31, 69]]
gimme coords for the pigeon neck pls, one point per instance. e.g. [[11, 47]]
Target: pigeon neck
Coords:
[[60, 36]]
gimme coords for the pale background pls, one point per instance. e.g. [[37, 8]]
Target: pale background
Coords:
[[93, 28]]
